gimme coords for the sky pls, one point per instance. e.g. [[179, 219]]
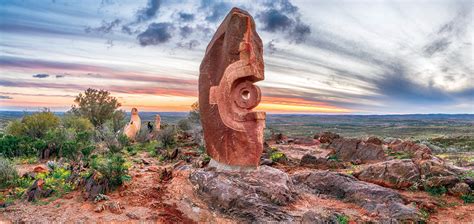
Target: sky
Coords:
[[321, 56]]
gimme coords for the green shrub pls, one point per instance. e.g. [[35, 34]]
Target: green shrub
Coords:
[[15, 128], [277, 156], [468, 198], [333, 157], [57, 180], [8, 173], [38, 124], [113, 167], [78, 124], [184, 125], [436, 191], [167, 137], [14, 146], [342, 219], [118, 120]]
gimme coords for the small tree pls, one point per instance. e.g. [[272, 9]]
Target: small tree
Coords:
[[96, 105], [194, 115]]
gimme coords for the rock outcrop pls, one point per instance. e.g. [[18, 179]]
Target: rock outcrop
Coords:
[[386, 203], [232, 63], [256, 195], [399, 174], [349, 149], [326, 137]]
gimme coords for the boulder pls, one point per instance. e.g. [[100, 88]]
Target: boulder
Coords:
[[386, 203], [459, 189], [419, 151], [313, 161], [348, 149], [40, 169], [399, 174], [326, 137], [374, 140], [433, 167], [441, 181], [94, 186], [469, 181], [257, 195]]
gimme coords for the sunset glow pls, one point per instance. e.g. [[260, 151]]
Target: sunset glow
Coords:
[[419, 60]]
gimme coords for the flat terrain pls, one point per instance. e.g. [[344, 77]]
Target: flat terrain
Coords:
[[415, 126]]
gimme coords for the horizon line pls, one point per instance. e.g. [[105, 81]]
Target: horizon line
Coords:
[[276, 113]]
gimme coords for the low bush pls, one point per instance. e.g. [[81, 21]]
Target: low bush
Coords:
[[8, 173], [76, 123], [468, 198], [342, 219], [18, 146], [167, 137], [277, 156], [184, 125], [57, 181], [436, 191], [113, 167], [38, 124]]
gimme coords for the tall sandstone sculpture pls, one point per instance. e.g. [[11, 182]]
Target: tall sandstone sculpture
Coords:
[[233, 62], [157, 122], [133, 127]]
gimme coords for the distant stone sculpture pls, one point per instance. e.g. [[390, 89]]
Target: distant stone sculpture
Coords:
[[157, 122], [133, 127], [233, 62]]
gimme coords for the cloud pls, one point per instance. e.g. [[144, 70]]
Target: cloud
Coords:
[[189, 45], [149, 11], [156, 33], [185, 31], [41, 76], [283, 17], [216, 10], [22, 63], [396, 85], [186, 17], [270, 47], [2, 97], [151, 89], [105, 28], [274, 20], [449, 31]]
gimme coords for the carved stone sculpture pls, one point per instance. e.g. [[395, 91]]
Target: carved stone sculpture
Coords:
[[133, 127], [233, 62], [157, 122]]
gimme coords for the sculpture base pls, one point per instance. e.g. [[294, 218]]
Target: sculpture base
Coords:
[[225, 167]]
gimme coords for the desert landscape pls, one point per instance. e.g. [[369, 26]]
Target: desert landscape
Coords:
[[243, 151]]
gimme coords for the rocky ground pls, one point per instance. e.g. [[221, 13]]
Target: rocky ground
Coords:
[[328, 179]]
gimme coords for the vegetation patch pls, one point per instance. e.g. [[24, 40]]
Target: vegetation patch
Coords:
[[468, 198], [436, 191]]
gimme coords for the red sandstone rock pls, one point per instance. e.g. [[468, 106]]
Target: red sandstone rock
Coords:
[[133, 127], [157, 122], [227, 95]]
